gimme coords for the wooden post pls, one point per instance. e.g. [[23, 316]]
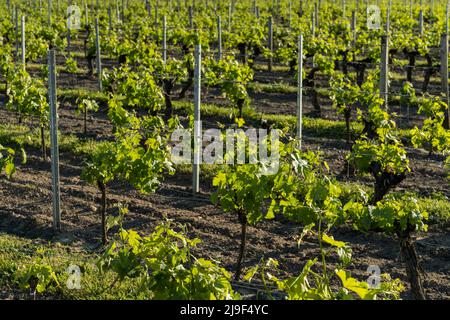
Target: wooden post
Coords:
[[290, 14], [123, 12], [219, 38], [197, 121], [49, 13], [446, 18], [16, 27], [343, 9], [54, 141], [410, 9], [23, 42], [316, 14], [444, 75], [156, 18], [99, 60], [300, 91], [270, 43], [117, 11], [164, 44], [109, 21], [86, 15], [69, 32], [353, 26], [384, 70], [278, 12], [148, 7], [230, 14], [421, 22], [388, 21], [313, 32]]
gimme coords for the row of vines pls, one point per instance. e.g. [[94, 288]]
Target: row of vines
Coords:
[[140, 87]]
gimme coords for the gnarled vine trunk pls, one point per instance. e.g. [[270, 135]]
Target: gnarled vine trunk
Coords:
[[344, 62], [243, 221], [310, 83], [85, 121], [44, 149], [256, 52], [240, 105], [102, 188], [347, 116], [384, 181], [360, 68], [427, 73], [189, 82], [411, 55], [242, 47], [167, 91], [413, 271]]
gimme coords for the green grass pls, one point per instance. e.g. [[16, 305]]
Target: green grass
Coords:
[[19, 253], [207, 171], [20, 135], [438, 208], [278, 87], [73, 94], [276, 68], [81, 55], [417, 76], [37, 67], [317, 127], [79, 71], [437, 205]]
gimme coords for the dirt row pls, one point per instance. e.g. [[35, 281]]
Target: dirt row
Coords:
[[25, 206]]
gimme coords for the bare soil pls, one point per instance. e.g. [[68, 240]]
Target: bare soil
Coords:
[[25, 205]]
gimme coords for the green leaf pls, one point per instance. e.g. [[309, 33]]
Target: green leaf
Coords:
[[24, 156], [10, 169], [360, 288], [251, 273], [332, 242]]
